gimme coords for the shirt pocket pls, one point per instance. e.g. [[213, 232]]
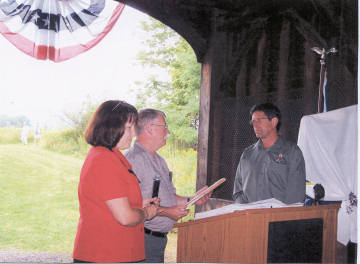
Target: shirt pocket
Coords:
[[278, 171]]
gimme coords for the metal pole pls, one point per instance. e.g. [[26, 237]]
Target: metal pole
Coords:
[[323, 53], [321, 82]]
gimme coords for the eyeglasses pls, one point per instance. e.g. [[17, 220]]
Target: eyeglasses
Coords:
[[165, 126], [257, 120]]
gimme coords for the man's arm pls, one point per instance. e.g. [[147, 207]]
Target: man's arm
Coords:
[[295, 191], [183, 200], [179, 211], [137, 161], [174, 212], [238, 194]]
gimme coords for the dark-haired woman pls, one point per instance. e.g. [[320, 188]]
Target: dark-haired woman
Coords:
[[112, 211]]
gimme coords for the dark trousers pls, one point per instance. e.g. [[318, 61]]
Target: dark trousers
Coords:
[[154, 249]]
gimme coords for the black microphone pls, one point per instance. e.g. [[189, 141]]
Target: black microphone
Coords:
[[319, 192], [156, 186]]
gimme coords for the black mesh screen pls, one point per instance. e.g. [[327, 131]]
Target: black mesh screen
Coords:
[[231, 132]]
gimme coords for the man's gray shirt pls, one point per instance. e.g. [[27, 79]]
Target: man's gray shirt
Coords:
[[277, 172], [146, 167]]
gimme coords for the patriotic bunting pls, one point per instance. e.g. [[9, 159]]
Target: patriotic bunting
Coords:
[[57, 29]]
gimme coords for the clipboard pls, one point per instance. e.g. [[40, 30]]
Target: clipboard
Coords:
[[201, 194]]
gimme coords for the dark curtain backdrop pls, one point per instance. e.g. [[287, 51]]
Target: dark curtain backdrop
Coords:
[[262, 52]]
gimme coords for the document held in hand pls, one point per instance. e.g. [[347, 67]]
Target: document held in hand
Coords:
[[204, 192]]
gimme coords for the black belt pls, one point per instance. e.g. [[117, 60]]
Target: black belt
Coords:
[[154, 233]]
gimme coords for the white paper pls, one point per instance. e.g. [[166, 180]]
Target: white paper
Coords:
[[268, 203]]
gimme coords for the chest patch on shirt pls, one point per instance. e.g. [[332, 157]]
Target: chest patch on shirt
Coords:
[[279, 158]]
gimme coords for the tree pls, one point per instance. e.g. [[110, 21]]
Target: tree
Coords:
[[13, 121], [179, 97], [78, 121]]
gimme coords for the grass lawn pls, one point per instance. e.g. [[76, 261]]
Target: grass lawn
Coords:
[[38, 200]]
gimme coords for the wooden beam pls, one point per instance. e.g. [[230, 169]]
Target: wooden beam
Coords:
[[204, 121]]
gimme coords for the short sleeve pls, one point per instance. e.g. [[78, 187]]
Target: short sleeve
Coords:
[[109, 179]]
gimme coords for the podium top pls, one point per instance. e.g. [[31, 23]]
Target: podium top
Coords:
[[284, 213]]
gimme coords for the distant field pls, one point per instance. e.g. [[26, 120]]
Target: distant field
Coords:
[[38, 198]]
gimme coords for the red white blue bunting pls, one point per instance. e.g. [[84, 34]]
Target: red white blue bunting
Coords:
[[57, 29]]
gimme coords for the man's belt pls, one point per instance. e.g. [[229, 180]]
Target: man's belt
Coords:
[[154, 233]]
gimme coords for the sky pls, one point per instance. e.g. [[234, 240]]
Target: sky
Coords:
[[42, 90]]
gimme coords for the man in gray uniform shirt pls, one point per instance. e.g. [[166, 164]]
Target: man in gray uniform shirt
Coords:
[[151, 133], [272, 167]]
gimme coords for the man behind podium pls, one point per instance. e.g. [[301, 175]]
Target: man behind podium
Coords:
[[272, 167]]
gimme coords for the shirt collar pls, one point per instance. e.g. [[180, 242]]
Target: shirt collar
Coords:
[[277, 145], [138, 145]]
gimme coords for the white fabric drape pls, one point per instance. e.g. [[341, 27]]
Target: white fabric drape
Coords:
[[329, 144]]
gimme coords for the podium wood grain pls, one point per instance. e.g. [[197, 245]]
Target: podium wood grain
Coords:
[[243, 236]]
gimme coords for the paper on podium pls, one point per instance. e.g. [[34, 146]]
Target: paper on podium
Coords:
[[202, 193], [268, 203]]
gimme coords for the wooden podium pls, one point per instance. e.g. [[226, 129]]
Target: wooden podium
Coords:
[[243, 236]]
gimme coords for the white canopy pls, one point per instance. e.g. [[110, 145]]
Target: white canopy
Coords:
[[329, 144]]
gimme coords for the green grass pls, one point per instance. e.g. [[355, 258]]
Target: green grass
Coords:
[[12, 135], [38, 199], [38, 196], [183, 165], [64, 142]]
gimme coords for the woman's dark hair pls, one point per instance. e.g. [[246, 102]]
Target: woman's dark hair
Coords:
[[270, 110], [107, 125]]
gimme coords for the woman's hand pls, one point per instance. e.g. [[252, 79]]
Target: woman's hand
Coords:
[[150, 211], [150, 201]]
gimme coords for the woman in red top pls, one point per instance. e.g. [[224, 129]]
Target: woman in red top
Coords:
[[112, 211]]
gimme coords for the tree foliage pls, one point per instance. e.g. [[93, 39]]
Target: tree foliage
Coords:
[[13, 121], [78, 121], [179, 97]]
